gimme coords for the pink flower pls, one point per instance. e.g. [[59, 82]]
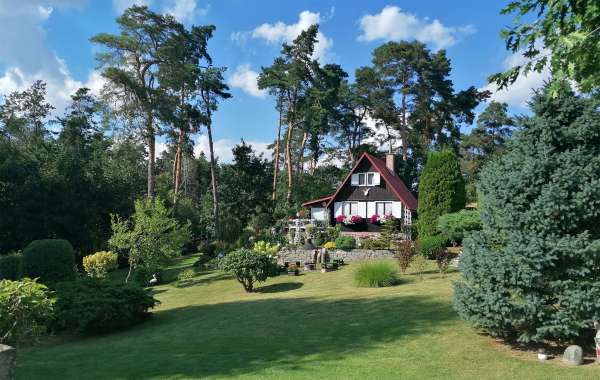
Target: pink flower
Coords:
[[340, 218], [356, 219], [374, 219]]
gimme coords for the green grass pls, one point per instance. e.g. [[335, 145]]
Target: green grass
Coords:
[[376, 274], [312, 326]]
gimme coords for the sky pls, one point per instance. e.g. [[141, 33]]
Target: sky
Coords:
[[50, 40]]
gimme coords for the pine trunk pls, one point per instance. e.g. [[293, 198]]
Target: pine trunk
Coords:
[[276, 159], [288, 161], [151, 155], [213, 177]]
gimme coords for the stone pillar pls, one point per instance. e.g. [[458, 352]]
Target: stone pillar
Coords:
[[8, 362]]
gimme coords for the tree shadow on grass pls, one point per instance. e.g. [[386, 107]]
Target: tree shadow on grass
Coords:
[[243, 338], [276, 288], [203, 279]]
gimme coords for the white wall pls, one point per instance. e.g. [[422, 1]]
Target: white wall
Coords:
[[318, 213], [367, 209]]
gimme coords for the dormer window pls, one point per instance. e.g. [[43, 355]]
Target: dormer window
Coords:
[[365, 179]]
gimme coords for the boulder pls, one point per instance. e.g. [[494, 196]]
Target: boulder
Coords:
[[573, 355], [8, 362]]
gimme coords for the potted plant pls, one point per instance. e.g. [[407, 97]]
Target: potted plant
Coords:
[[340, 218]]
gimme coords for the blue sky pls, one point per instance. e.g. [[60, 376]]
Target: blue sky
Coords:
[[49, 39]]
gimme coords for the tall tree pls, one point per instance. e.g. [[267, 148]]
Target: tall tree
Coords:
[[131, 62], [292, 75], [564, 34]]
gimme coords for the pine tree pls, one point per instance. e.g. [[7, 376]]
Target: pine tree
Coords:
[[533, 272], [441, 190]]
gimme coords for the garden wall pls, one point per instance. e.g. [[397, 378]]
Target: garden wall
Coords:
[[307, 255]]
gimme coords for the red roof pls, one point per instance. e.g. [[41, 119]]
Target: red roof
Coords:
[[394, 182], [314, 201]]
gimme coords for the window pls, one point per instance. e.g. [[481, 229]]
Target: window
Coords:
[[361, 179], [383, 208], [350, 208], [370, 179]]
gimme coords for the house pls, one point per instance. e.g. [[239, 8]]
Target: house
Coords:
[[369, 193]]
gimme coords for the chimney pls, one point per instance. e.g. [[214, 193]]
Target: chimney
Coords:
[[389, 162]]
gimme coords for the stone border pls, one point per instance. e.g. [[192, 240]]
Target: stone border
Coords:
[[307, 255]]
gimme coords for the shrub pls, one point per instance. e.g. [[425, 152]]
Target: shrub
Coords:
[[329, 245], [267, 248], [441, 190], [375, 275], [442, 259], [10, 266], [248, 267], [186, 274], [332, 232], [373, 244], [25, 309], [456, 224], [345, 243], [405, 254], [532, 272], [50, 260], [430, 246], [100, 263], [389, 231], [97, 305]]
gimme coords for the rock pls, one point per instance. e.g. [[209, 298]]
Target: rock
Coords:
[[8, 362], [573, 355]]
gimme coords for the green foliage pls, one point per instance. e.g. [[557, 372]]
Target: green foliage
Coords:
[[374, 244], [186, 275], [389, 232], [97, 306], [50, 260], [567, 31], [266, 248], [100, 263], [25, 309], [532, 272], [456, 224], [248, 267], [151, 237], [441, 190], [345, 243], [419, 264], [375, 275], [10, 266], [430, 246]]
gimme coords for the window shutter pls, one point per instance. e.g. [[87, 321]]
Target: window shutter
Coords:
[[376, 179], [354, 180]]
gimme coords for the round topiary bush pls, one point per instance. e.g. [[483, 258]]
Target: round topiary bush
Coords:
[[50, 260], [376, 275], [532, 272]]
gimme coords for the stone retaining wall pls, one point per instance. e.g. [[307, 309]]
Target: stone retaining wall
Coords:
[[307, 255]]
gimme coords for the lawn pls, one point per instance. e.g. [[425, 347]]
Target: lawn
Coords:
[[313, 326]]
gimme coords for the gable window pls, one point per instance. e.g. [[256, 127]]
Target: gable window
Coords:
[[383, 208], [361, 179], [370, 179], [350, 208]]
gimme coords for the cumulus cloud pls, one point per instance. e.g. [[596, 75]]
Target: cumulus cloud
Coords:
[[280, 32], [393, 24], [245, 78], [185, 11], [520, 92], [223, 148], [25, 56]]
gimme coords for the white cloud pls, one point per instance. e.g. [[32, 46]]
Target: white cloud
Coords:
[[223, 147], [185, 11], [520, 92], [280, 32], [25, 55], [245, 78], [121, 5], [392, 24]]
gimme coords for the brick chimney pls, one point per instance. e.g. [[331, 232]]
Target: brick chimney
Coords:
[[389, 162]]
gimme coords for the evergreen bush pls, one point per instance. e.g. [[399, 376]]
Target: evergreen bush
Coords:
[[50, 260], [430, 246], [455, 225], [441, 190], [10, 266], [532, 272], [99, 264], [345, 243]]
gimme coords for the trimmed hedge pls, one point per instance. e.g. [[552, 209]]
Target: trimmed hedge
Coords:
[[345, 243], [93, 305], [100, 263], [10, 267], [52, 260], [456, 224]]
